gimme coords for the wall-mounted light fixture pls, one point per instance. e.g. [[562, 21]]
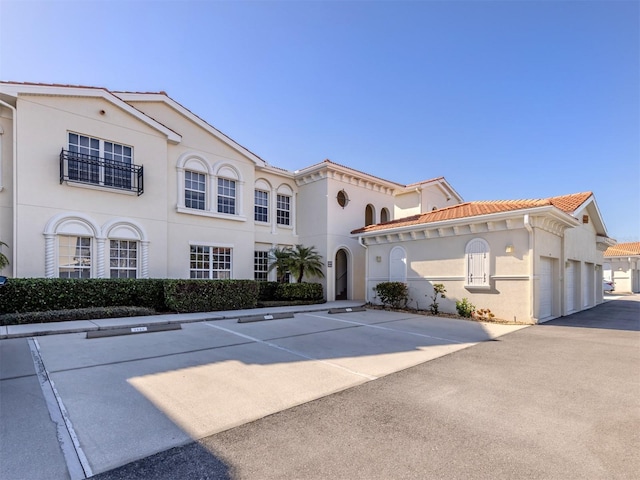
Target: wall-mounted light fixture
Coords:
[[378, 259], [509, 248], [567, 264]]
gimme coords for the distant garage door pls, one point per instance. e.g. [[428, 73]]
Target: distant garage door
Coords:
[[570, 286], [546, 291]]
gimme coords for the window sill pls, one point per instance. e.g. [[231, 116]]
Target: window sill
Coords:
[[89, 186], [478, 287], [206, 213]]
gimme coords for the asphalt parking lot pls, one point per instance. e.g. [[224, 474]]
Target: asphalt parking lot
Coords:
[[96, 404]]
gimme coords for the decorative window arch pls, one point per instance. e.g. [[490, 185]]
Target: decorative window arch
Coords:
[[285, 207], [70, 246], [384, 215], [477, 260], [127, 249], [209, 190], [261, 195], [228, 190], [369, 215], [398, 265]]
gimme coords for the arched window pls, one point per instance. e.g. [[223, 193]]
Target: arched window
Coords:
[[127, 249], [261, 195], [193, 182], [369, 215], [70, 247], [384, 215], [284, 206], [477, 263], [228, 190], [398, 265]]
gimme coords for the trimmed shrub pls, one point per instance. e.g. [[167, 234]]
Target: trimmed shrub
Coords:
[[392, 294], [76, 314], [465, 308], [210, 295], [20, 295], [299, 291]]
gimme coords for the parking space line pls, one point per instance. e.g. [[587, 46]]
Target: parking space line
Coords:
[[386, 328], [75, 459], [293, 352]]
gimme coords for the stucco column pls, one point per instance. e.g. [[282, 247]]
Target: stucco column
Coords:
[[144, 256], [50, 255], [100, 255]]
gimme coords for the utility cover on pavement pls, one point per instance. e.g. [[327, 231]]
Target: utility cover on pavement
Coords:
[[112, 332]]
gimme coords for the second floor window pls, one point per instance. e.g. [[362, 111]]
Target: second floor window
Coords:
[[261, 208], [194, 190], [100, 162], [226, 196], [283, 213]]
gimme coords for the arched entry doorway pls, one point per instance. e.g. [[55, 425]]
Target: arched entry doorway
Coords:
[[342, 275]]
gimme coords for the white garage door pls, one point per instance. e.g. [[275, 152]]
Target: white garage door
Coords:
[[570, 286], [546, 292]]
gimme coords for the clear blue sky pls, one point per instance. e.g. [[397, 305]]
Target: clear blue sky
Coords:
[[506, 99]]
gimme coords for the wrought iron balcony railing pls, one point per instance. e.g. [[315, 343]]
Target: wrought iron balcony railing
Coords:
[[81, 168]]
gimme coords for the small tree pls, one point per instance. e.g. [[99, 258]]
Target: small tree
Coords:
[[305, 260], [279, 259], [438, 291], [4, 261]]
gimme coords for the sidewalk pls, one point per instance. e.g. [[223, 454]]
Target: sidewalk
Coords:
[[36, 329]]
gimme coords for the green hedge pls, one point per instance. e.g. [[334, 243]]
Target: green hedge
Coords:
[[210, 295], [21, 295], [76, 314], [28, 295]]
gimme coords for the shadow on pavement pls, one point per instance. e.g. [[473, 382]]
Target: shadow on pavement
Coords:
[[619, 314]]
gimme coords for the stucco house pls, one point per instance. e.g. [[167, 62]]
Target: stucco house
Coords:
[[622, 266], [96, 183]]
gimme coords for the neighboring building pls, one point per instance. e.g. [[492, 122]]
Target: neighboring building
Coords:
[[95, 184], [622, 266], [525, 260]]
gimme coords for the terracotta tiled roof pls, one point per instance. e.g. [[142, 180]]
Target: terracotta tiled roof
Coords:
[[566, 203], [622, 249]]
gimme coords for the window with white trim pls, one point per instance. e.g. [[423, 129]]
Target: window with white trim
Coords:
[[74, 256], [123, 259], [99, 162], [283, 210], [226, 196], [212, 263], [477, 263], [261, 206], [261, 266], [195, 189]]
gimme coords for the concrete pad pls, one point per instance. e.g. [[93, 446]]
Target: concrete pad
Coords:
[[301, 324], [194, 395], [50, 328], [74, 351], [15, 359], [28, 438]]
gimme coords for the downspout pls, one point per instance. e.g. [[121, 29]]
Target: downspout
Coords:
[[14, 246], [366, 268], [527, 225]]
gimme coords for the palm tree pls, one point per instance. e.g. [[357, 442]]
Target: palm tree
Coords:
[[4, 261], [279, 259], [305, 260]]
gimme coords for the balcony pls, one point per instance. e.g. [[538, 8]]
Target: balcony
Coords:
[[89, 170]]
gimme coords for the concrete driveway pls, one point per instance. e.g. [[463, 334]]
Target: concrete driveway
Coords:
[[120, 399]]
